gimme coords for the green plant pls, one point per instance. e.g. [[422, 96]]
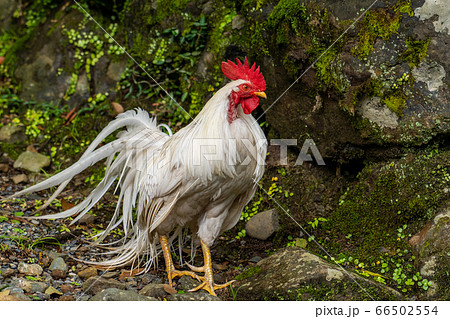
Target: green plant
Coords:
[[19, 238], [233, 292], [316, 221], [41, 242], [401, 234]]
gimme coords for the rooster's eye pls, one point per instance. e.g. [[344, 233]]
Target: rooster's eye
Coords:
[[245, 87]]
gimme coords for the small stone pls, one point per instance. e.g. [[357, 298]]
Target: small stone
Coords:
[[31, 161], [169, 289], [67, 298], [238, 22], [21, 178], [30, 269], [153, 290], [263, 225], [60, 265], [86, 219], [12, 134], [58, 274], [150, 279], [51, 291], [118, 109], [88, 273], [255, 259], [53, 255], [190, 296], [114, 294], [94, 285], [66, 288], [31, 148], [4, 168], [8, 295], [373, 109], [110, 274], [187, 283], [21, 297], [8, 272], [31, 286]]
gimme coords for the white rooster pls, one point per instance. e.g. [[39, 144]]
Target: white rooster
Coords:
[[199, 178]]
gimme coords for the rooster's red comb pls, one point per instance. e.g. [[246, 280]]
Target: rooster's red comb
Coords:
[[241, 71]]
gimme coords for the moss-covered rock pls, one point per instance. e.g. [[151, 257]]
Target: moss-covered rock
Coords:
[[431, 246], [295, 274], [391, 194]]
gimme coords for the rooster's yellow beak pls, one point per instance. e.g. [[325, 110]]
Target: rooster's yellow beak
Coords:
[[260, 94]]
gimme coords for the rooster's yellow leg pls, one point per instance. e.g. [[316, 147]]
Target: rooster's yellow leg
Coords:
[[170, 268], [207, 280]]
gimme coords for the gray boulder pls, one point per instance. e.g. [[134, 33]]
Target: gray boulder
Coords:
[[114, 294]]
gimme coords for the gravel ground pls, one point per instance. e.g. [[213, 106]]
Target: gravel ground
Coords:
[[37, 257]]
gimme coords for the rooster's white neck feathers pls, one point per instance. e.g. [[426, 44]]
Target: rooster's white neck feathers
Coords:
[[211, 145]]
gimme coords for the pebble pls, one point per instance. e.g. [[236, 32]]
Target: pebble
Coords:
[[255, 259], [54, 255], [21, 178], [149, 278], [8, 272], [58, 274], [30, 269], [30, 286], [66, 288], [51, 290], [263, 225], [32, 161], [14, 297], [110, 274], [153, 290], [86, 219], [67, 298], [4, 168], [59, 264], [88, 273], [187, 283], [96, 284]]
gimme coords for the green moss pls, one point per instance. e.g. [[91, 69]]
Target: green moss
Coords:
[[401, 192], [372, 87], [404, 7], [218, 42], [380, 23], [163, 10], [248, 273], [396, 103], [13, 150], [415, 51], [288, 14], [329, 71], [332, 291]]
